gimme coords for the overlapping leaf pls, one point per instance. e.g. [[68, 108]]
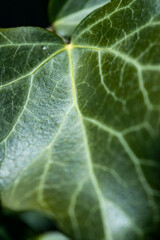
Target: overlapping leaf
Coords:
[[67, 14], [52, 236], [80, 124]]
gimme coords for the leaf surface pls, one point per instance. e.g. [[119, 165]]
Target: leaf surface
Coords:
[[52, 236], [80, 123], [67, 14]]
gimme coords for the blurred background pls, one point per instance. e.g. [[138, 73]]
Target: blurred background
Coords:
[[15, 13], [23, 225]]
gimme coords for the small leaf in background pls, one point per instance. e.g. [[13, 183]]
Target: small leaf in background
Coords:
[[13, 228], [65, 15], [36, 221], [52, 236]]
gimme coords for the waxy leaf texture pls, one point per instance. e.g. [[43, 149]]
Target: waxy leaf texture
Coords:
[[80, 123]]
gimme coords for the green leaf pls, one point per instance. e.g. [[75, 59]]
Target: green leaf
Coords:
[[67, 14], [80, 123], [52, 236]]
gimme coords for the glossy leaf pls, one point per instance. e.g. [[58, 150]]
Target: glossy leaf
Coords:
[[67, 14], [80, 123], [52, 236]]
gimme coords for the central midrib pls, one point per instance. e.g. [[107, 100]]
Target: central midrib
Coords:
[[92, 174]]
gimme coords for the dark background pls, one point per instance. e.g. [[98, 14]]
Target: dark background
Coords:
[[15, 13]]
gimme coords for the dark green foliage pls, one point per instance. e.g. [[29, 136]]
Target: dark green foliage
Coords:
[[80, 123]]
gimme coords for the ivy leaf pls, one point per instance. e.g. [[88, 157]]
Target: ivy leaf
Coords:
[[66, 15], [52, 236], [80, 123]]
